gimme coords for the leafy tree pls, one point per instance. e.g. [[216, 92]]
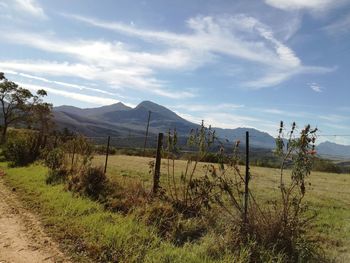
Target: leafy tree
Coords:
[[19, 105], [41, 118], [13, 100]]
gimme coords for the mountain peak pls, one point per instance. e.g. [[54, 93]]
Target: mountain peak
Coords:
[[149, 105]]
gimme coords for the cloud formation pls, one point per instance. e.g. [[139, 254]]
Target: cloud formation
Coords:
[[310, 5], [22, 8], [315, 87], [71, 95], [239, 37]]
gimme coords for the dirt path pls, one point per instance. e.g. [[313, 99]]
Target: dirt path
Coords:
[[22, 238]]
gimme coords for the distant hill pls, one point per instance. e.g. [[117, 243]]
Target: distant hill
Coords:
[[121, 120], [330, 149]]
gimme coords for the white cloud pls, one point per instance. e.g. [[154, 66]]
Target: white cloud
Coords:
[[315, 87], [227, 35], [31, 7], [117, 78], [64, 84], [334, 118], [206, 107], [310, 5], [339, 26], [13, 9], [239, 37], [71, 95], [273, 78]]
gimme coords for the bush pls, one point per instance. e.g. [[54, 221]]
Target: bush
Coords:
[[55, 159], [56, 176], [102, 149], [328, 166], [19, 148], [90, 181], [80, 153], [125, 198], [172, 225]]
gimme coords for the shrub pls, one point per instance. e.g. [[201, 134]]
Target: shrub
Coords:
[[125, 197], [19, 148], [90, 181], [172, 225], [79, 151], [102, 149], [189, 195], [55, 159], [56, 176]]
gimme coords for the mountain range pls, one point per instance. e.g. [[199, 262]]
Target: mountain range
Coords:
[[123, 121], [120, 120]]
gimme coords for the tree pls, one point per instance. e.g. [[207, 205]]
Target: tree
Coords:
[[41, 118], [19, 105]]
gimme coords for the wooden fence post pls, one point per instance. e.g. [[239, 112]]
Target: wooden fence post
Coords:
[[107, 152], [246, 179], [156, 175], [73, 153], [145, 143]]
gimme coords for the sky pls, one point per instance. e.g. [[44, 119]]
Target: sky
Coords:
[[230, 63]]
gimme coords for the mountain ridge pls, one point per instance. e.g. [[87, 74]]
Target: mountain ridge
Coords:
[[135, 119], [121, 120]]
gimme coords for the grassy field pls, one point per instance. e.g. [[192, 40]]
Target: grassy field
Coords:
[[328, 194], [83, 225]]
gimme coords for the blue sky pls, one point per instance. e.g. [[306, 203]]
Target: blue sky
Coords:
[[231, 63]]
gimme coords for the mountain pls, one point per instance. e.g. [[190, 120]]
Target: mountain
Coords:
[[121, 120], [330, 149], [258, 138], [92, 111]]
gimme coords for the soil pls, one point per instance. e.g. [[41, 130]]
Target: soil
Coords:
[[22, 238]]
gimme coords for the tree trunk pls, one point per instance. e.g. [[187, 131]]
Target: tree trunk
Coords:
[[3, 134]]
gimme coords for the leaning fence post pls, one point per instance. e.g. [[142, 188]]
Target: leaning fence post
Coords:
[[73, 153], [107, 152], [156, 175], [246, 179]]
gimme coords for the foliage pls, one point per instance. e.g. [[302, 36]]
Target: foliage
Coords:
[[125, 197], [300, 152], [189, 195], [56, 162], [19, 105], [90, 181], [328, 166], [102, 149], [57, 176], [19, 148], [55, 159], [80, 153]]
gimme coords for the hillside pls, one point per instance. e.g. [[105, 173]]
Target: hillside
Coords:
[[331, 149], [121, 120]]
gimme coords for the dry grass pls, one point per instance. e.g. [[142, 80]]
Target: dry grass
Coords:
[[327, 194]]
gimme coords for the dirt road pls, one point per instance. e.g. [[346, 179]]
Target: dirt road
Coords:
[[22, 238]]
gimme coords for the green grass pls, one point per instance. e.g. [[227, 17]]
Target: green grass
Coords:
[[328, 195], [83, 225]]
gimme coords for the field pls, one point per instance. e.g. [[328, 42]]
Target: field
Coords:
[[328, 195], [81, 224]]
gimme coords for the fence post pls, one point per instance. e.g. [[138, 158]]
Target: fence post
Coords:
[[55, 143], [246, 179], [107, 152], [145, 143], [156, 175], [73, 153]]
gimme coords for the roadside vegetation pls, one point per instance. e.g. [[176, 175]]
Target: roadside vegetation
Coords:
[[122, 217]]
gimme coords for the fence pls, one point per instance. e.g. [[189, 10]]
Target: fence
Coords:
[[152, 147]]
